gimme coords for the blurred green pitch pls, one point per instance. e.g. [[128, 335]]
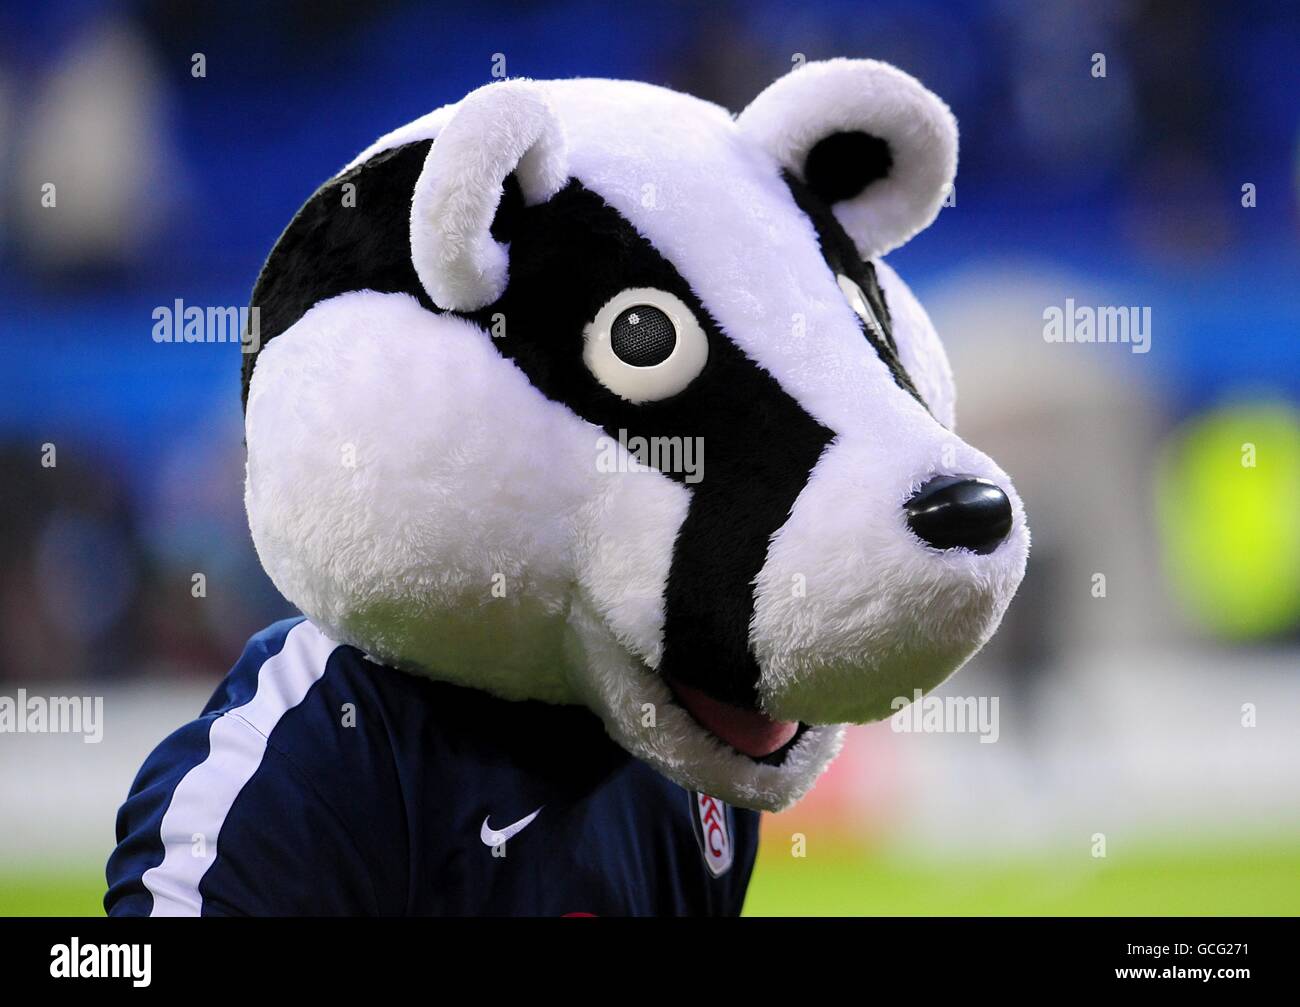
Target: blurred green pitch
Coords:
[[1237, 879], [1242, 879]]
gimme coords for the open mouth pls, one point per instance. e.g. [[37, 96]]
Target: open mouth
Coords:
[[750, 732]]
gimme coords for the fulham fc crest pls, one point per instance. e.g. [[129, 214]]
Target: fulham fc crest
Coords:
[[711, 819]]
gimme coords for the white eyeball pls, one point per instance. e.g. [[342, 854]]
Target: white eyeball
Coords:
[[645, 345], [859, 303]]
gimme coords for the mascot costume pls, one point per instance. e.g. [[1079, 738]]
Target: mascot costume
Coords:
[[614, 473]]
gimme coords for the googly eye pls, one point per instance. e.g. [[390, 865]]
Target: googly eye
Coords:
[[860, 305], [645, 345], [643, 336]]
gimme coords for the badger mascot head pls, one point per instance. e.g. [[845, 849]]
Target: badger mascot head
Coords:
[[587, 391]]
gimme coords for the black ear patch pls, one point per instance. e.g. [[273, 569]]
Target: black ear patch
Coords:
[[841, 165]]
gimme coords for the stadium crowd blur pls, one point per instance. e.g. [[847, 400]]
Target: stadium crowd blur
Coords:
[[172, 184]]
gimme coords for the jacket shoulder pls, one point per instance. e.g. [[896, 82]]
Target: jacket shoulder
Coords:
[[271, 788]]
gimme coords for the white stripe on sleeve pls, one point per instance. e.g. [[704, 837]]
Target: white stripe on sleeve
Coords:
[[202, 800]]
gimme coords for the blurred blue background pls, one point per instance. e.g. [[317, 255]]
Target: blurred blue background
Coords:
[[1125, 189], [172, 185]]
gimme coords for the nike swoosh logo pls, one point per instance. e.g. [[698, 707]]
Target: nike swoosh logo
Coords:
[[495, 837]]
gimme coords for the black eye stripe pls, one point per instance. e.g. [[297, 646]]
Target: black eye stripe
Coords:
[[759, 443], [842, 257]]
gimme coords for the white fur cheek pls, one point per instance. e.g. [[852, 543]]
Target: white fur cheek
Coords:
[[851, 610], [625, 551], [415, 495], [919, 348]]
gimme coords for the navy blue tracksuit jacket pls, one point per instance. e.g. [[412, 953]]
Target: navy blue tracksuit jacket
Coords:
[[317, 782]]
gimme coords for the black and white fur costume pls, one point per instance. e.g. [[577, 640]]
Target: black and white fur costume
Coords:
[[436, 384]]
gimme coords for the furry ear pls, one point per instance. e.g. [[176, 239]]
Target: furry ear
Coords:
[[865, 137], [501, 129]]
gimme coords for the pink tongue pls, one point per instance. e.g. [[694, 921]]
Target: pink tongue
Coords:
[[749, 731]]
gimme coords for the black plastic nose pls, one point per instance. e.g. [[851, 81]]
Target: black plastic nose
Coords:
[[953, 512]]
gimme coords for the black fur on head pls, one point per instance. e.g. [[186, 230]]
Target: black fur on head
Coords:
[[842, 165]]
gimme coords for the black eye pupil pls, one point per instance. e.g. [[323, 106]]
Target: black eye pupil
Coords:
[[642, 336]]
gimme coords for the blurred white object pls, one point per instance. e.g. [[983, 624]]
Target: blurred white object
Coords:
[[94, 133]]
